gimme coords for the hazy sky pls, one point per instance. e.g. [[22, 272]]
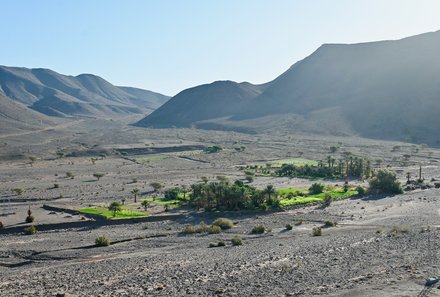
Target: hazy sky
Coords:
[[167, 46]]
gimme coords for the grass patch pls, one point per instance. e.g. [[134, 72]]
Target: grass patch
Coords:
[[296, 196], [150, 158], [294, 161], [105, 212]]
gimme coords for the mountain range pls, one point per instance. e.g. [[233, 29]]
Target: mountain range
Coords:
[[54, 94], [385, 89]]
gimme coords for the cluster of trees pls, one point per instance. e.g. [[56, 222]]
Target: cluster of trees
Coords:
[[351, 167], [221, 195]]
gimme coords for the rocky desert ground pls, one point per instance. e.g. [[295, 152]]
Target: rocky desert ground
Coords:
[[382, 245]]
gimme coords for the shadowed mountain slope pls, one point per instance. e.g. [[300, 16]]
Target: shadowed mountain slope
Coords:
[[55, 94], [16, 118], [385, 90], [215, 100]]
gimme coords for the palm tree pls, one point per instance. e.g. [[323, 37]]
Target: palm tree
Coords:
[[115, 207], [135, 192], [146, 204], [269, 191]]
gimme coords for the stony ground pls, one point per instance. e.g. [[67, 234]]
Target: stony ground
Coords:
[[381, 246]]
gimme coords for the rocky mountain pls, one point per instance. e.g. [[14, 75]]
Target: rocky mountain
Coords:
[[55, 94], [16, 117], [211, 101], [385, 89]]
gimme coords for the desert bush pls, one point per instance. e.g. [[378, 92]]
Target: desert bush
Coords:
[[316, 188], [327, 200], [30, 219], [1, 225], [30, 230], [299, 221], [385, 181], [98, 175], [221, 243], [56, 186], [70, 175], [203, 228], [212, 245], [236, 240], [289, 227], [214, 229], [102, 241], [223, 223], [18, 191], [317, 231], [189, 229], [258, 229], [330, 223]]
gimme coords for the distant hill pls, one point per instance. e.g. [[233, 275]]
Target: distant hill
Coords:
[[215, 100], [17, 118], [55, 94], [385, 89]]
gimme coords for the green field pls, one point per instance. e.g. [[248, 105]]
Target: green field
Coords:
[[293, 161], [150, 158], [103, 211], [337, 193]]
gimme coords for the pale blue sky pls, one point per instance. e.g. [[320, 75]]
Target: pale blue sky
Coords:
[[167, 45]]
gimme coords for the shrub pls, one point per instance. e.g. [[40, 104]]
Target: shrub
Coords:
[[300, 221], [189, 230], [258, 229], [30, 230], [236, 240], [385, 181], [327, 200], [212, 245], [223, 223], [316, 188], [98, 175], [1, 225], [56, 186], [317, 231], [30, 219], [102, 241], [221, 243], [346, 187], [70, 175], [330, 223], [360, 190], [289, 227], [214, 229], [203, 228]]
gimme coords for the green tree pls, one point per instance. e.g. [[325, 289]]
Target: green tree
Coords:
[[135, 192], [385, 181], [98, 175], [316, 188], [145, 204], [115, 207]]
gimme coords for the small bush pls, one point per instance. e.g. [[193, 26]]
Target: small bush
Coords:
[[316, 188], [56, 186], [289, 227], [30, 219], [214, 229], [223, 223], [102, 241], [330, 223], [202, 228], [212, 245], [300, 221], [258, 229], [221, 243], [1, 225], [236, 240], [30, 230], [360, 190], [317, 231], [327, 200], [189, 230]]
